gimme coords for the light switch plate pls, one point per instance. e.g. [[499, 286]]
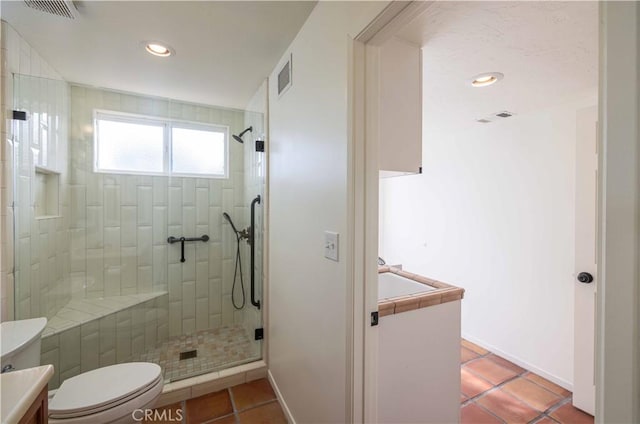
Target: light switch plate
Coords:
[[331, 245]]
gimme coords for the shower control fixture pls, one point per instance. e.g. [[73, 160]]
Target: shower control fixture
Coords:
[[241, 234], [249, 235], [244, 234], [238, 137], [182, 240]]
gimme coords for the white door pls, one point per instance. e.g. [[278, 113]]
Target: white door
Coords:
[[584, 389]]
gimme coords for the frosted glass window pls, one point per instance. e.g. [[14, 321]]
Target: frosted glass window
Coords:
[[136, 144], [196, 151], [130, 147]]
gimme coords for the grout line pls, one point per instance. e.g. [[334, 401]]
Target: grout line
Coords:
[[233, 402], [536, 418], [549, 390], [558, 405], [257, 405], [490, 412], [212, 421]]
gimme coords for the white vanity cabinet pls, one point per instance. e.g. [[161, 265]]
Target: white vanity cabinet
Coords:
[[418, 349], [400, 113]]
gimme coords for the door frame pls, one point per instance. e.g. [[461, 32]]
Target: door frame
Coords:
[[362, 240], [618, 301], [618, 298]]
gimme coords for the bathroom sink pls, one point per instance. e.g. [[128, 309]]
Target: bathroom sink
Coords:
[[392, 285]]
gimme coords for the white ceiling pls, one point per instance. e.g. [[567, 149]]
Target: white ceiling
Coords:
[[224, 50], [548, 52]]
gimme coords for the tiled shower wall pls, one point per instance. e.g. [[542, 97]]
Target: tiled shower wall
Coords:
[[18, 57], [119, 224]]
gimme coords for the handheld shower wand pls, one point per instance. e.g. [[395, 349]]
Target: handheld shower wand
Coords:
[[228, 218], [239, 236]]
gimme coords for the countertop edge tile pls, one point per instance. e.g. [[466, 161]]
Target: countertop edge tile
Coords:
[[442, 293]]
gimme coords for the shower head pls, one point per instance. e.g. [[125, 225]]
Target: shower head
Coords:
[[239, 136], [228, 218]]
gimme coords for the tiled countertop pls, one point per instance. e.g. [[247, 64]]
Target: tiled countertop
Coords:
[[442, 293]]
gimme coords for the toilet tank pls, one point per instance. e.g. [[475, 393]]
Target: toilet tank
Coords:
[[20, 342]]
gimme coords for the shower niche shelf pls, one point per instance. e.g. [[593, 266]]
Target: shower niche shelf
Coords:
[[47, 192]]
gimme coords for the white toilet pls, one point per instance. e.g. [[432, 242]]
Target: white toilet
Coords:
[[105, 395]]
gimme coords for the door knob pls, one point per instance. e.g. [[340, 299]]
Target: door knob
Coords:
[[585, 277]]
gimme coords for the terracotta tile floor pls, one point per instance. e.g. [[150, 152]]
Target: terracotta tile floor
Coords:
[[495, 390], [249, 403]]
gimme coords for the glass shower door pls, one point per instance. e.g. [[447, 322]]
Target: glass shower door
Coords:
[[255, 171], [40, 196]]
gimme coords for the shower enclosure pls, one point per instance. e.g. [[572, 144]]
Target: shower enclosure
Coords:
[[102, 182]]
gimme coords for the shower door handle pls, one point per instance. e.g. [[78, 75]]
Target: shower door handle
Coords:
[[252, 237]]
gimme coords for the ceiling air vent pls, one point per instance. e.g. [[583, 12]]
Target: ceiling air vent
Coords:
[[63, 8], [495, 117]]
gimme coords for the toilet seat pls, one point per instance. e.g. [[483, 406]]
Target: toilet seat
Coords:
[[106, 394]]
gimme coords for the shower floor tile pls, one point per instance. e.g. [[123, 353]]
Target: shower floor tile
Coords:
[[216, 349]]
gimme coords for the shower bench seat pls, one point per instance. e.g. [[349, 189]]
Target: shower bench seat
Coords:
[[80, 311]]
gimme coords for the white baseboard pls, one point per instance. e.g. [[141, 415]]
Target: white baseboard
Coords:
[[283, 404], [524, 364]]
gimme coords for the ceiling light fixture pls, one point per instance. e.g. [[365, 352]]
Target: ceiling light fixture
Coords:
[[486, 79], [158, 49]]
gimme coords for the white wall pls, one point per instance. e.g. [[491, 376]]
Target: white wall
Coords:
[[308, 194], [494, 213]]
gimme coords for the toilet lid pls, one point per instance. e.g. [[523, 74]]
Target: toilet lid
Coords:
[[103, 388]]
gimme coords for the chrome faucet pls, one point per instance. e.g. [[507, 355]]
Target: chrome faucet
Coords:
[[381, 261]]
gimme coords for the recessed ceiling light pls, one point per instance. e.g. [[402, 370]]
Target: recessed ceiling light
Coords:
[[158, 49], [486, 79]]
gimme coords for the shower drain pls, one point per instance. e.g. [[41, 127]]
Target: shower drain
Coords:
[[188, 354]]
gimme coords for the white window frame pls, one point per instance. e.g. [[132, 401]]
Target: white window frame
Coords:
[[167, 157]]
